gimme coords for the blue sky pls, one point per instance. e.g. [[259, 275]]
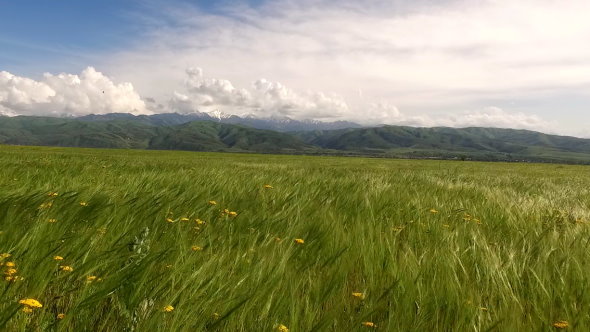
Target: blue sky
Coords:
[[453, 63], [38, 33]]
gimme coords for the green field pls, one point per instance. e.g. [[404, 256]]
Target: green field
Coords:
[[429, 245]]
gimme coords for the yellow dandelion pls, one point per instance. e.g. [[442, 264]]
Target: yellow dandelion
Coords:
[[27, 310], [358, 295], [184, 219], [196, 248], [10, 272], [91, 278], [4, 255], [31, 303], [60, 316], [282, 328], [52, 220], [299, 241], [267, 186], [199, 221], [562, 324], [66, 268], [212, 203], [52, 194], [368, 324], [10, 264], [233, 214], [83, 203], [168, 308], [169, 220], [46, 205], [58, 258], [433, 211]]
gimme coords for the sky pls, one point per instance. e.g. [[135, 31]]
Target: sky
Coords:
[[494, 63]]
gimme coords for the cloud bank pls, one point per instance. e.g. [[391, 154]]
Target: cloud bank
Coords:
[[67, 95], [92, 92], [264, 99]]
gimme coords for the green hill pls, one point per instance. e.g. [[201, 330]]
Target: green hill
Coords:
[[474, 143], [130, 132], [126, 133]]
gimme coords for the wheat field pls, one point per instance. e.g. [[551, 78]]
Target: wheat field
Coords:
[[119, 240]]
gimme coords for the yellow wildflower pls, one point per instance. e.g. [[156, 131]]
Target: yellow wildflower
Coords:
[[299, 241], [282, 328], [212, 203], [61, 316], [52, 194], [359, 295], [562, 324], [4, 255], [90, 278], [168, 308], [83, 203], [368, 324], [46, 205], [169, 220], [433, 211], [196, 248], [52, 220], [267, 186], [233, 214], [10, 272], [31, 303], [66, 268], [27, 310], [10, 264], [184, 219], [58, 258], [199, 221]]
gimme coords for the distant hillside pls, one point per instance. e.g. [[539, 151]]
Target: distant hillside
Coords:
[[135, 133], [171, 119], [474, 143], [175, 132]]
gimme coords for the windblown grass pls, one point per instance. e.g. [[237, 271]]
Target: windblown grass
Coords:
[[430, 245]]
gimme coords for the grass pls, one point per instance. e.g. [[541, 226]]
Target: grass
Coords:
[[504, 249]]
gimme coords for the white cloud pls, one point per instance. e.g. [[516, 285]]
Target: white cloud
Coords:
[[496, 117], [266, 99], [67, 94], [263, 99], [438, 55]]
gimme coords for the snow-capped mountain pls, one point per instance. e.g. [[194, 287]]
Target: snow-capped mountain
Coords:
[[277, 124]]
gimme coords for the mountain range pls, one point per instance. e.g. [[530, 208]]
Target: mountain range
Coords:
[[204, 132]]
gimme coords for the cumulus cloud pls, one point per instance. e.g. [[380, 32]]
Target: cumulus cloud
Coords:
[[497, 117], [422, 56], [265, 99], [67, 94], [262, 99]]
